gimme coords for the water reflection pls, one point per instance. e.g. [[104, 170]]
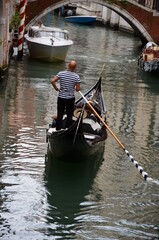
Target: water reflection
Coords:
[[68, 185], [110, 203]]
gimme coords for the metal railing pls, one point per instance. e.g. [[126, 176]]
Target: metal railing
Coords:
[[152, 4]]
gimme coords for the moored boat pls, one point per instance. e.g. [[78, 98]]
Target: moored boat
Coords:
[[48, 43], [86, 136], [81, 19], [148, 60]]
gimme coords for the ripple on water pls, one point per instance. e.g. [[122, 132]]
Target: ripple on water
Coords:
[[117, 203]]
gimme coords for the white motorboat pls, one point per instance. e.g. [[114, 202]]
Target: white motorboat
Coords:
[[48, 43]]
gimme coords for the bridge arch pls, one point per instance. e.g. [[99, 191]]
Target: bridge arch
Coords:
[[139, 29]]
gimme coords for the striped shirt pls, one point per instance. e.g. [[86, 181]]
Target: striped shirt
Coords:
[[68, 80]]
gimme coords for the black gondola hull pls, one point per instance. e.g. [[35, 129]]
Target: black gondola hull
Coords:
[[68, 146]]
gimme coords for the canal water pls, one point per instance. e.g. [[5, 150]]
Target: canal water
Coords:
[[106, 200]]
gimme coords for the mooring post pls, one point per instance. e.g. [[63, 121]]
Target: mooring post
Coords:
[[21, 29]]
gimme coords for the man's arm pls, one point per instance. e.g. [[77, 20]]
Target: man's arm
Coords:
[[53, 82], [77, 87]]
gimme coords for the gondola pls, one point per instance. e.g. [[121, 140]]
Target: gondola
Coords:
[[148, 60], [86, 136]]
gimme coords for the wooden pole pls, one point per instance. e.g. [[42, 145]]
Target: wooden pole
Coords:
[[21, 29], [137, 165]]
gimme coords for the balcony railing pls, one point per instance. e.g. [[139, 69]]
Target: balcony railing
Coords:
[[152, 4]]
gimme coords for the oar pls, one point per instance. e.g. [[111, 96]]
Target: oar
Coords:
[[137, 165], [79, 122]]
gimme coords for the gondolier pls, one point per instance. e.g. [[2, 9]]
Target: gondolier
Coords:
[[69, 82]]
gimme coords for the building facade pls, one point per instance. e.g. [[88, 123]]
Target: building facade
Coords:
[[7, 10]]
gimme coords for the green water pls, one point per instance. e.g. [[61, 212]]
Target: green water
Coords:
[[109, 201]]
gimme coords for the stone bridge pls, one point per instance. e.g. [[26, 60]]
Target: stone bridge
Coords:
[[142, 15]]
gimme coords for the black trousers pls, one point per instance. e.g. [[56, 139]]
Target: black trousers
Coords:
[[62, 106]]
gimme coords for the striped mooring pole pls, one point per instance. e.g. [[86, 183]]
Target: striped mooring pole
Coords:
[[21, 29]]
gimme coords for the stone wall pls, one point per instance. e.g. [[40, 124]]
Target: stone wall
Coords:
[[7, 10]]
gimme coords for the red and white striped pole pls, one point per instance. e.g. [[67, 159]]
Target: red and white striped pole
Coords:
[[21, 29]]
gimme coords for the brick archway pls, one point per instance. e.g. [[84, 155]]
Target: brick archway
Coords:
[[141, 19]]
